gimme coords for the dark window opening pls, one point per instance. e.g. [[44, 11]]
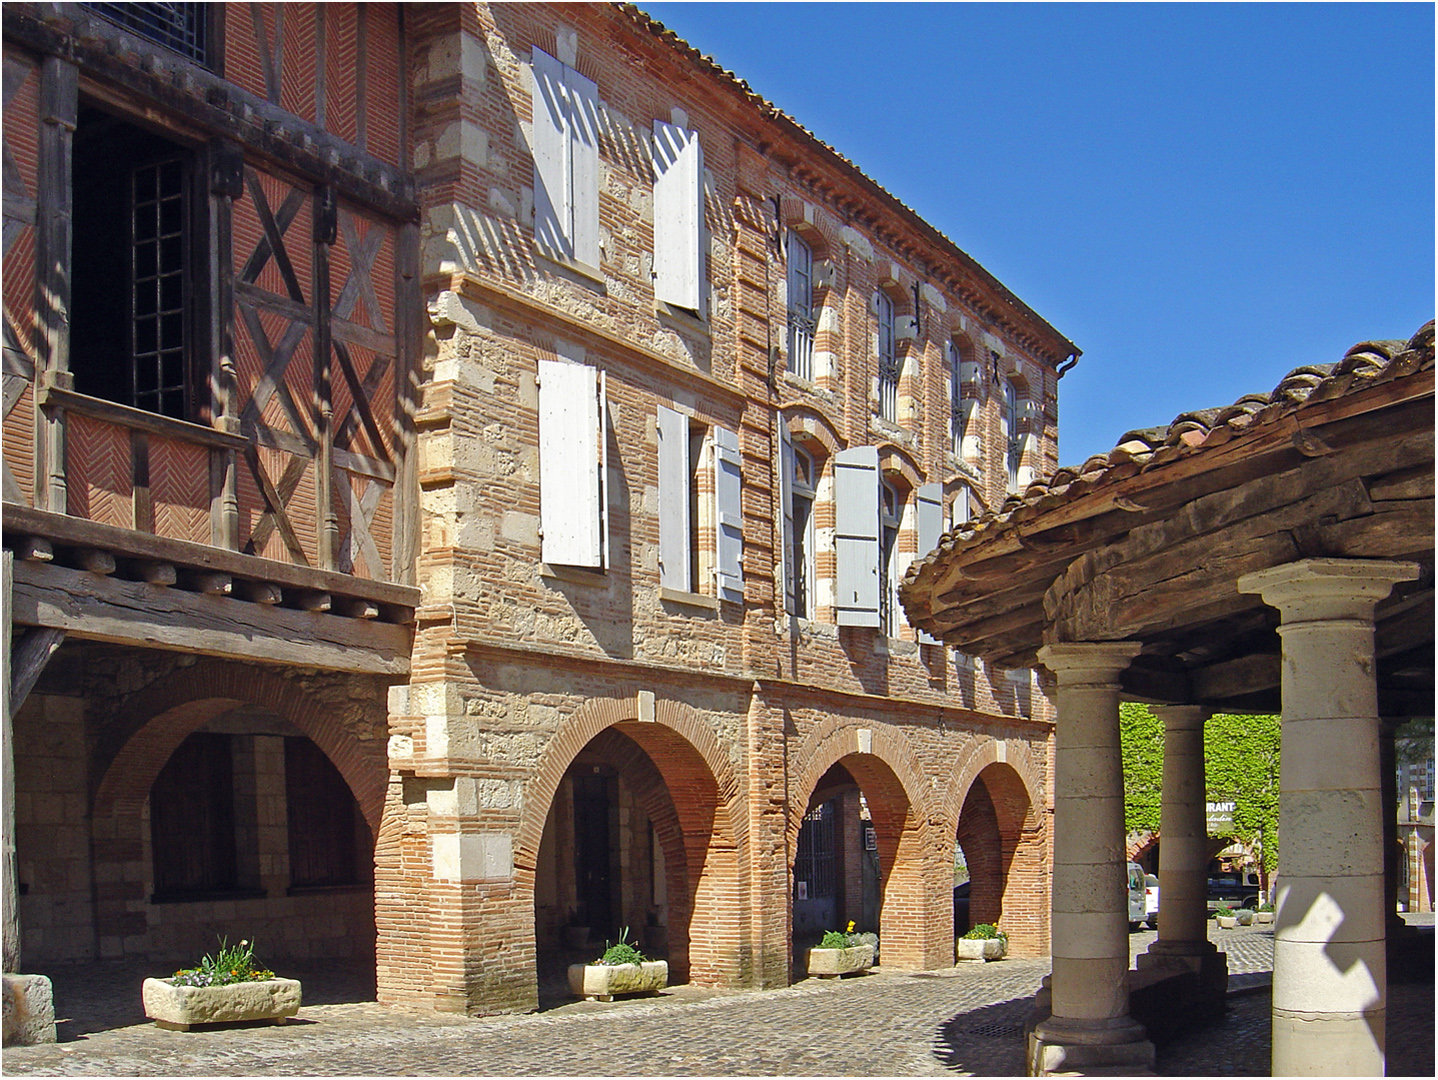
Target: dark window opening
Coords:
[[180, 27], [816, 855], [192, 820], [135, 278], [324, 821]]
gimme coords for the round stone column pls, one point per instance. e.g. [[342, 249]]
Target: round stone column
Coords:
[[1183, 834], [1089, 1025], [1329, 968]]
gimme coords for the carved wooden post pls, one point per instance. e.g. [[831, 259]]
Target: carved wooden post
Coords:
[[11, 892], [326, 230], [59, 103], [227, 183]]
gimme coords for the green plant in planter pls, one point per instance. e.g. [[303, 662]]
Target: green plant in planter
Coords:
[[621, 952], [1265, 907], [834, 939], [985, 931], [232, 964]]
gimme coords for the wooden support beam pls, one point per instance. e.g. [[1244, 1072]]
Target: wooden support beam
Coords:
[[210, 584], [95, 562], [258, 592], [156, 573], [308, 600], [135, 614], [355, 608], [33, 548], [28, 659]]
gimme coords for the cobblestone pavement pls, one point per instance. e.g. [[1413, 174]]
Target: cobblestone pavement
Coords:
[[960, 1021]]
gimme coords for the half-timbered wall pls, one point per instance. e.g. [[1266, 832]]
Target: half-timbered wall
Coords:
[[20, 133]]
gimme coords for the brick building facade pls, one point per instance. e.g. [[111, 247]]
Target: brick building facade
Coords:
[[542, 374]]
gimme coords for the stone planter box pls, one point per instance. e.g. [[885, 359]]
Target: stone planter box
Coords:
[[602, 982], [1227, 922], [979, 950], [178, 1008], [1245, 918], [1263, 916], [831, 963]]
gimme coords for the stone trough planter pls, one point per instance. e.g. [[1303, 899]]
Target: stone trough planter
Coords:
[[179, 1008], [601, 982], [831, 963], [1263, 916], [979, 950], [1226, 922]]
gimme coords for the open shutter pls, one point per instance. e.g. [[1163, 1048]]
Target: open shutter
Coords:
[[583, 117], [929, 525], [786, 501], [678, 216], [570, 483], [550, 136], [728, 518], [673, 430], [856, 535]]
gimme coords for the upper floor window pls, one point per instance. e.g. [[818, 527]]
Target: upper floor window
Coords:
[[573, 419], [566, 161], [888, 357], [801, 307], [802, 484], [700, 533], [963, 404], [679, 277], [138, 272], [891, 515], [183, 28], [1013, 440]]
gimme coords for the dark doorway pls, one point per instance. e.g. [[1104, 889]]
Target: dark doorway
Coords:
[[816, 866], [594, 796]]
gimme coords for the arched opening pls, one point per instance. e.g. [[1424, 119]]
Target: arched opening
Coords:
[[636, 838], [998, 853]]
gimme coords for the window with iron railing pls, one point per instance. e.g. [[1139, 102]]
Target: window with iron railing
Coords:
[[888, 357], [183, 28], [801, 308]]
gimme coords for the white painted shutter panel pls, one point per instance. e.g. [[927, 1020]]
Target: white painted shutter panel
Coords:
[[786, 500], [856, 535], [550, 138], [678, 216], [583, 118], [728, 517], [674, 500], [929, 525], [570, 486]]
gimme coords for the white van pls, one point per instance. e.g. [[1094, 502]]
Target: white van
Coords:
[[1137, 901]]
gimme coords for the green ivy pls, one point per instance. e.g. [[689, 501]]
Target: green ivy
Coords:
[[1241, 762]]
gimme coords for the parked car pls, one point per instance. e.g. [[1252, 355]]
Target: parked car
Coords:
[[1231, 890], [1137, 903], [1150, 901]]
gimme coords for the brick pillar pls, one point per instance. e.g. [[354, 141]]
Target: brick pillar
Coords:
[[1089, 1026], [1329, 968]]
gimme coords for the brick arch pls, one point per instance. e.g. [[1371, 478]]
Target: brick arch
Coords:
[[149, 730], [996, 814], [700, 781], [896, 790], [804, 418], [895, 459]]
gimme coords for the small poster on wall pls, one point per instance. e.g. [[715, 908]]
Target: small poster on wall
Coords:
[[801, 890]]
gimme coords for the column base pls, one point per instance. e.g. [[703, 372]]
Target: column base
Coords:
[[1309, 1044], [1200, 957], [1065, 1045], [29, 1010], [1178, 989]]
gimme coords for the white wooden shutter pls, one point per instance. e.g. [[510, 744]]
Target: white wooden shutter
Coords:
[[570, 480], [856, 535], [583, 118], [728, 517], [553, 215], [786, 500], [929, 526], [678, 216], [674, 476]]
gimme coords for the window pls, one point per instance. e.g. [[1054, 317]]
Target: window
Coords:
[[678, 218], [801, 307], [693, 464], [138, 272], [192, 820], [324, 820], [799, 562], [961, 510], [964, 404], [180, 27], [891, 514], [572, 425], [1021, 682], [856, 536], [888, 357], [1013, 440], [565, 127]]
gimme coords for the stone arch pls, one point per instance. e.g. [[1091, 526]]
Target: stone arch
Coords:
[[896, 459], [146, 732], [703, 831], [994, 808], [887, 770]]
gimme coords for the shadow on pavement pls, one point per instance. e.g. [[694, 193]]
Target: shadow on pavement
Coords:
[[987, 1041]]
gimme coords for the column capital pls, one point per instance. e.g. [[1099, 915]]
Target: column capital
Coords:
[[1088, 662], [1182, 717], [1320, 589]]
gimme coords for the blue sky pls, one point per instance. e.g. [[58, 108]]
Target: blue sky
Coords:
[[1201, 197]]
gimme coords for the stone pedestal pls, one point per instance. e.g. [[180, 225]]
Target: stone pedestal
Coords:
[[29, 1010], [1089, 1026], [1329, 967]]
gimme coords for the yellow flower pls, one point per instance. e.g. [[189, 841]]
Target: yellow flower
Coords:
[[851, 927]]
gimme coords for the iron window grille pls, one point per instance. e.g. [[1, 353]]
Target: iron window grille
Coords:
[[801, 308], [182, 28], [888, 358]]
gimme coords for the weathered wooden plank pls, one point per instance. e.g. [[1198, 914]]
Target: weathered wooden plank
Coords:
[[1236, 678], [51, 396], [28, 659], [133, 613], [10, 885], [77, 532]]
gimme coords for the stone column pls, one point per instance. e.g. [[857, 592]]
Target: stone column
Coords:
[[1182, 876], [1089, 1026], [1329, 971]]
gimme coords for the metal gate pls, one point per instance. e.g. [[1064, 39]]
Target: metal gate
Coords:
[[816, 866]]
